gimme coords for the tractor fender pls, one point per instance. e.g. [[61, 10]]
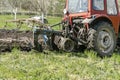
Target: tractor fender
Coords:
[[95, 19], [87, 20]]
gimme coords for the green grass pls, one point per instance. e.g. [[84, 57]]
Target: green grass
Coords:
[[51, 65]]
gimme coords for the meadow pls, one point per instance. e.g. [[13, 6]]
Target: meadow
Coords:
[[52, 65]]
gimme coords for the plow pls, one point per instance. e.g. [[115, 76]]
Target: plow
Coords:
[[11, 38], [40, 37], [14, 38]]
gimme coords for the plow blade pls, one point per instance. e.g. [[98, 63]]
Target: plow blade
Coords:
[[9, 39]]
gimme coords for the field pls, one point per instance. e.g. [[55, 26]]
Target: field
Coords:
[[48, 65]]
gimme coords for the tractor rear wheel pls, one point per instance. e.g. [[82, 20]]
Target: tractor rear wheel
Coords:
[[104, 39]]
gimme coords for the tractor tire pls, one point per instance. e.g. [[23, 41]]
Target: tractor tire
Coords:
[[104, 39]]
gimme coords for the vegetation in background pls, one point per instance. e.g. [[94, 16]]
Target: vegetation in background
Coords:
[[50, 7]]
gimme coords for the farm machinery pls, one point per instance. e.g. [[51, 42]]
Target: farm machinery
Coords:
[[87, 24]]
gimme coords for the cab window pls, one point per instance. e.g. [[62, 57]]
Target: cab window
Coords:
[[98, 4], [111, 7]]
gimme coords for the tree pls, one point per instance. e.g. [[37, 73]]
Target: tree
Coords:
[[41, 6]]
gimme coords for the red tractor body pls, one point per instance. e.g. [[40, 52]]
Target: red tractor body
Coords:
[[98, 14], [94, 23]]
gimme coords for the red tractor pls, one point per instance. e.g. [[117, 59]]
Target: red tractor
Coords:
[[93, 24]]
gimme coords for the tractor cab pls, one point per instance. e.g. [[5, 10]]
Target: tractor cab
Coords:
[[81, 6], [80, 9], [91, 7], [93, 10]]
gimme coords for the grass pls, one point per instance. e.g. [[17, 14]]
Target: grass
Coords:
[[51, 65]]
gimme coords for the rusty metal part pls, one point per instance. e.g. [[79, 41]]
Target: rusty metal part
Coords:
[[29, 21], [43, 41], [65, 44], [14, 38]]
